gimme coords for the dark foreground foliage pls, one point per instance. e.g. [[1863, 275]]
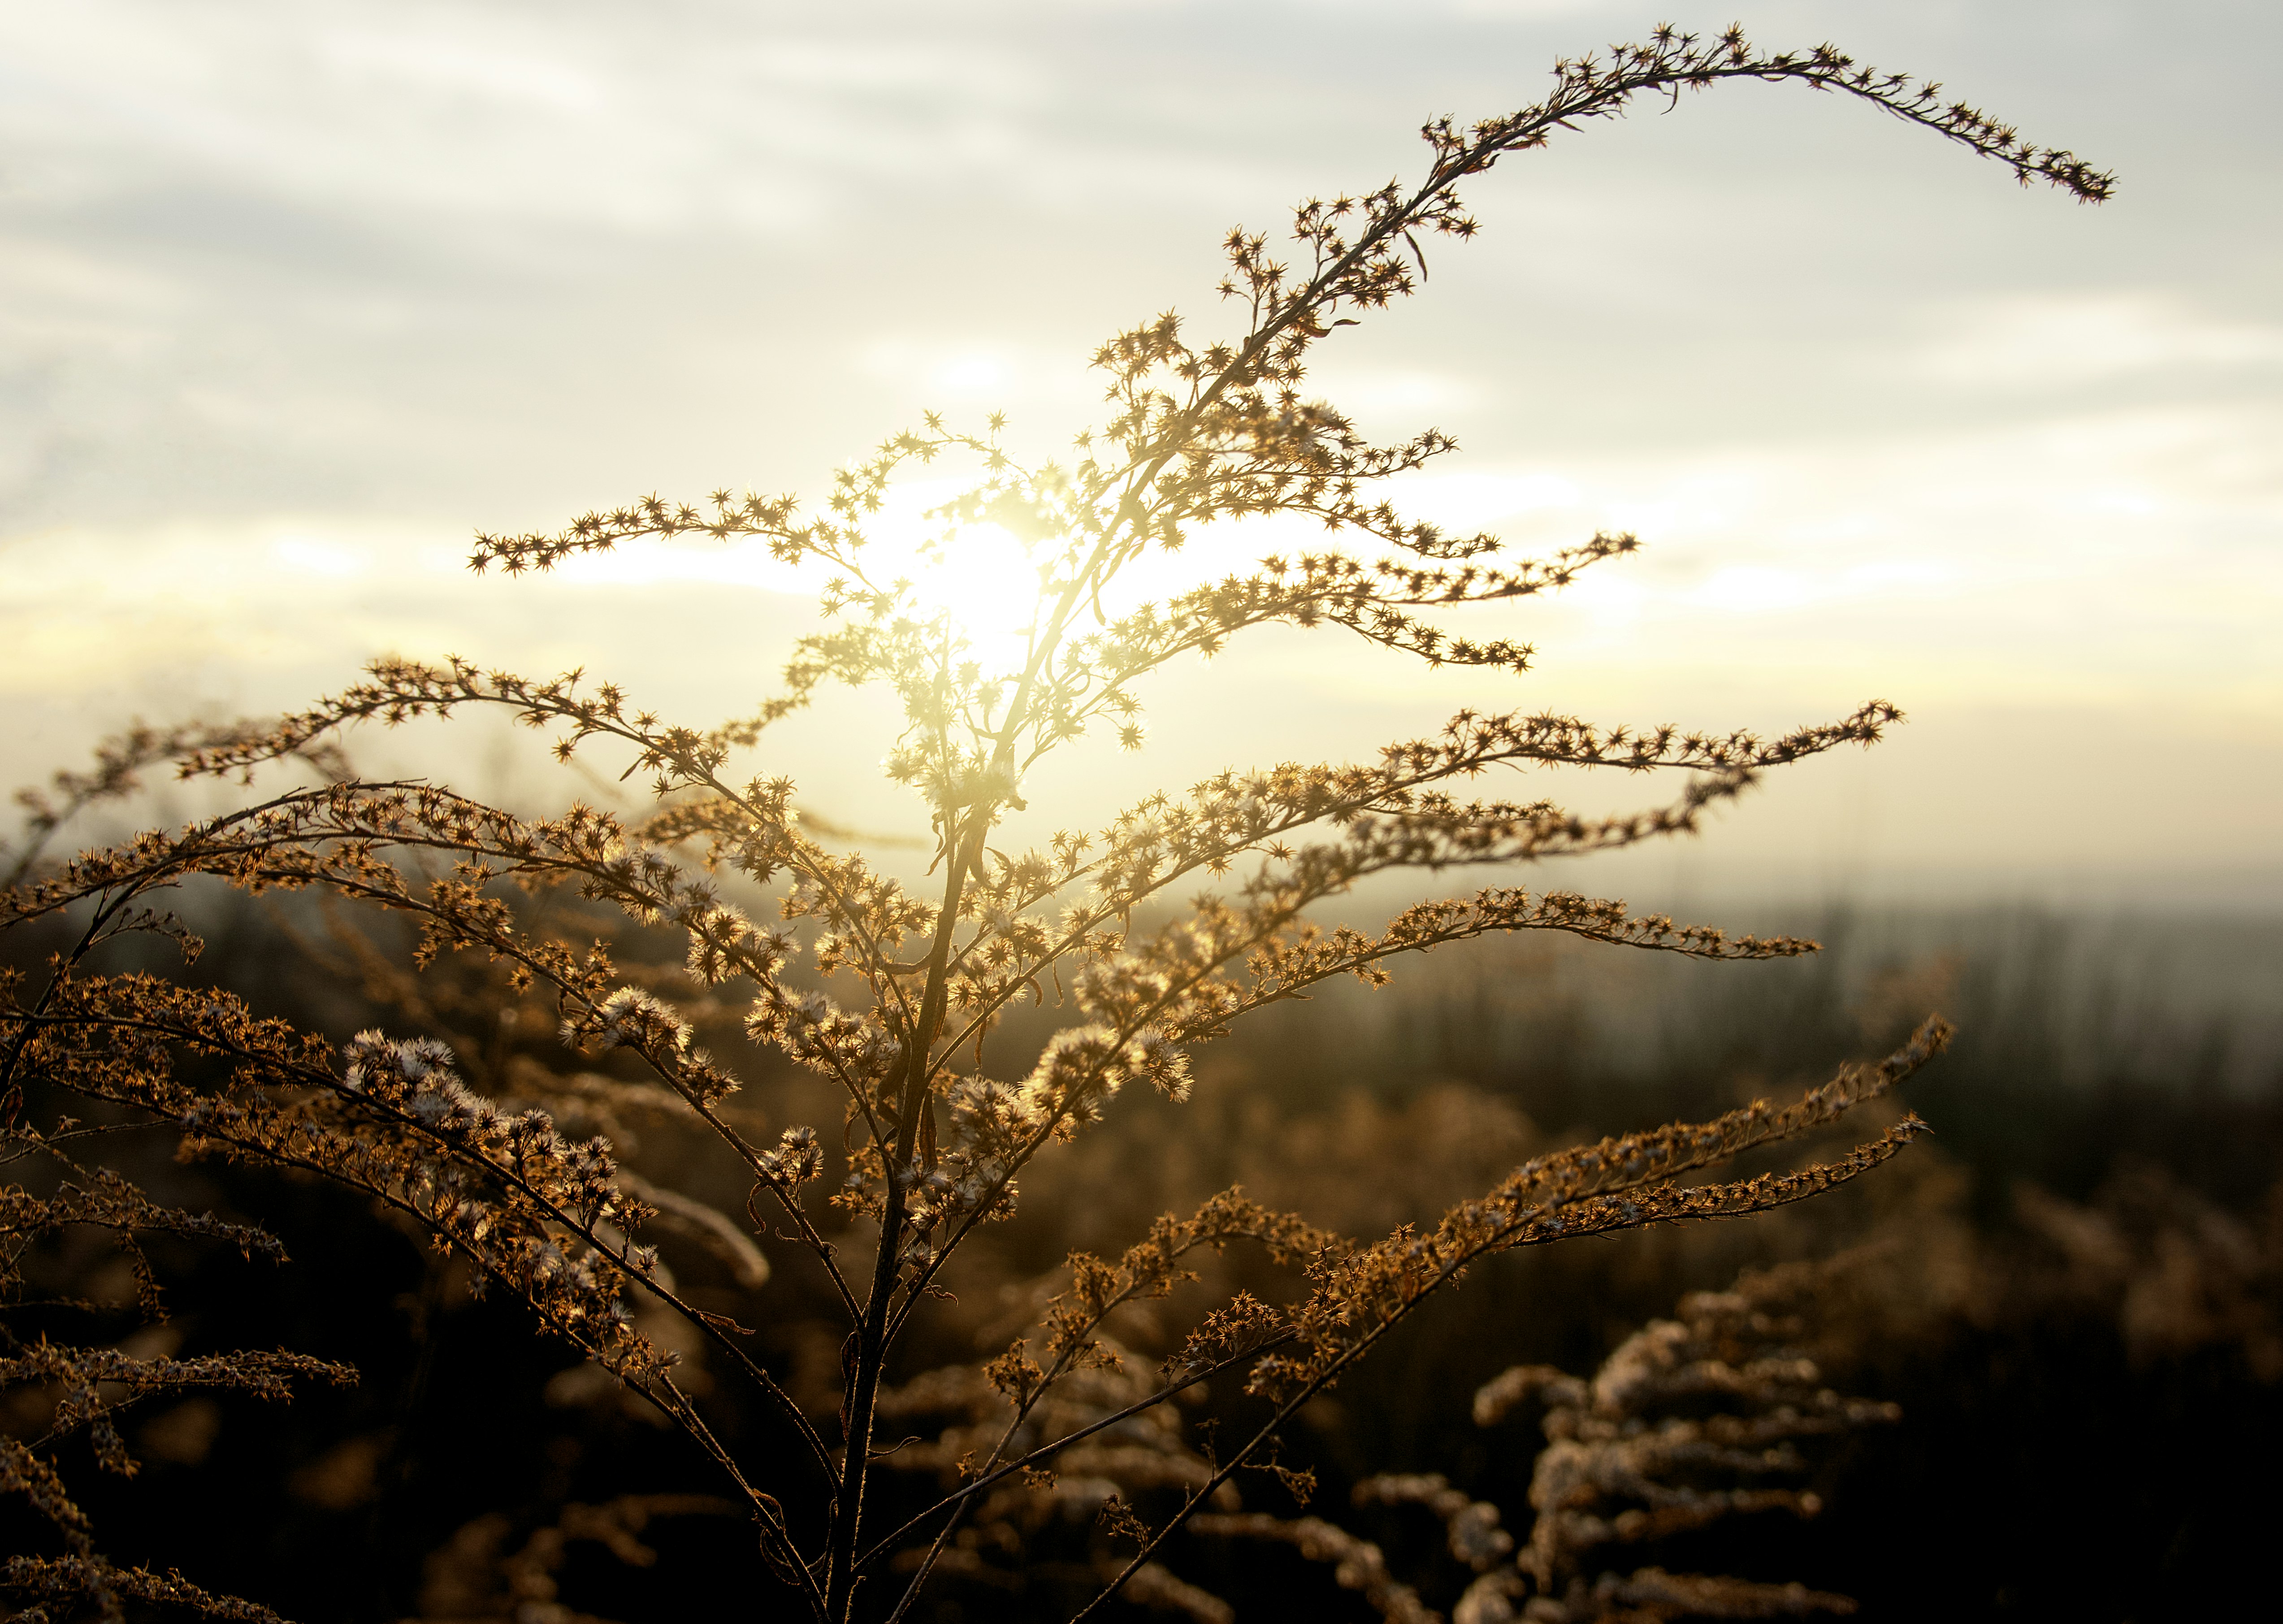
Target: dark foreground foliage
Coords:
[[2077, 1302]]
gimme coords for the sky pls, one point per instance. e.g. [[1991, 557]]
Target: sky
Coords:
[[293, 297]]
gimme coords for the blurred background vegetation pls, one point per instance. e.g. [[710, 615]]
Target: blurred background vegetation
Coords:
[[2075, 1291]]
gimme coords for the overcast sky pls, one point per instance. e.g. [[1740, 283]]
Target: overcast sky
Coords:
[[293, 296]]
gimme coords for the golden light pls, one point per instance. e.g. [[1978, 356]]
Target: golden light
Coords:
[[981, 576]]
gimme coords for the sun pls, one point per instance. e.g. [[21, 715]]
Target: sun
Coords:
[[982, 577]]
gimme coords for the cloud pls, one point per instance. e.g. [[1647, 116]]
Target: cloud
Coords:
[[2049, 342], [589, 117], [290, 296]]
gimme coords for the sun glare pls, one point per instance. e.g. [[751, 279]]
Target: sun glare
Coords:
[[981, 576]]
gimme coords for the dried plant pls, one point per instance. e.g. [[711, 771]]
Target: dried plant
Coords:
[[59, 1392], [1689, 1422], [2174, 1273], [1632, 1457], [473, 1148], [477, 1579]]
